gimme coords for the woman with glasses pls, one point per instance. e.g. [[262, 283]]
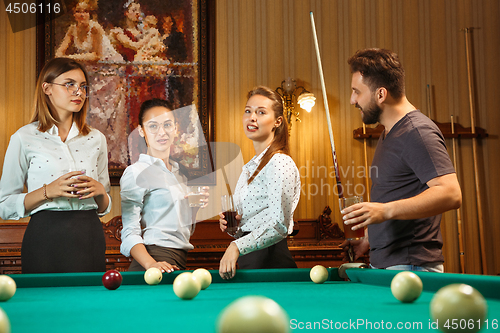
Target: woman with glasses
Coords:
[[157, 219], [63, 164]]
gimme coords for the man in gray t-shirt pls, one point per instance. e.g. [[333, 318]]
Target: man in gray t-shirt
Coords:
[[413, 179]]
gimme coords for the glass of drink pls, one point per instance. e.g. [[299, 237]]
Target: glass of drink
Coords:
[[230, 212], [348, 232], [65, 171], [195, 196]]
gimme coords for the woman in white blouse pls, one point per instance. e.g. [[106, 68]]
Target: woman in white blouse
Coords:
[[63, 163], [267, 191], [157, 219]]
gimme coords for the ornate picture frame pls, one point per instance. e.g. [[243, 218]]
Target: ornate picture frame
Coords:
[[168, 54]]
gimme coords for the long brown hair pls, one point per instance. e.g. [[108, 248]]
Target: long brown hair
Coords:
[[43, 110], [280, 142]]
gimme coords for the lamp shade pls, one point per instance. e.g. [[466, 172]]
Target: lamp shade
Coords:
[[306, 101]]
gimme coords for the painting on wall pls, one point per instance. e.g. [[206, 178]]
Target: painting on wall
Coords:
[[135, 50]]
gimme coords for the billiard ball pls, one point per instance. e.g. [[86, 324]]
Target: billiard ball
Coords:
[[204, 277], [4, 322], [318, 274], [253, 314], [7, 288], [153, 276], [406, 286], [459, 302], [186, 286], [112, 279]]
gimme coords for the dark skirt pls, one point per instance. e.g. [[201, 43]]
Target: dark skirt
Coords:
[[63, 242], [274, 256], [176, 257]]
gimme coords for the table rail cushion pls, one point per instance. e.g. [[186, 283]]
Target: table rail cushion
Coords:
[[487, 285]]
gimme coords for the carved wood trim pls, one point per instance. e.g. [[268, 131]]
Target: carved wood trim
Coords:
[[113, 228], [328, 230]]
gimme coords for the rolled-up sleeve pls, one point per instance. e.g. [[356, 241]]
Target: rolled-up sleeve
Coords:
[[132, 200], [283, 191], [15, 170]]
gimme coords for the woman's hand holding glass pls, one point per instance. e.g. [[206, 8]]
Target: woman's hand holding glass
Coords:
[[88, 187], [223, 223], [64, 186], [230, 215], [198, 193]]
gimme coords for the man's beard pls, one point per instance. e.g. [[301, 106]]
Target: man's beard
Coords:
[[371, 114]]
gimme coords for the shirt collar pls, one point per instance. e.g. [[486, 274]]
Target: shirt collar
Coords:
[[148, 159], [73, 131], [255, 161]]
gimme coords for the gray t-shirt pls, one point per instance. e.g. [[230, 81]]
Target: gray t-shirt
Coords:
[[410, 155]]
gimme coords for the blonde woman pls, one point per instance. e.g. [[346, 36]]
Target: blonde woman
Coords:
[[64, 233]]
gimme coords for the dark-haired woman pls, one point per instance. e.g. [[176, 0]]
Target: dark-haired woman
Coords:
[[64, 233], [267, 191], [157, 219]]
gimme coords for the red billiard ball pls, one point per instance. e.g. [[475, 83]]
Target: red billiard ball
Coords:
[[112, 279]]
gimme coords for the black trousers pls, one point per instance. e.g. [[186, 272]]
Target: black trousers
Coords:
[[63, 242], [274, 256], [176, 257]]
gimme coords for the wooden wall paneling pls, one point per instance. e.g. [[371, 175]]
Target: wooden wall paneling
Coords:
[[491, 146], [473, 20], [443, 81], [17, 79], [481, 42]]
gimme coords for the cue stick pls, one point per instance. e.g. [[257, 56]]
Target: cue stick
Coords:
[[327, 110], [474, 151], [227, 183], [340, 191], [223, 173], [367, 181], [459, 214]]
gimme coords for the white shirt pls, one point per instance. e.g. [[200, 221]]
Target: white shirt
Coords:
[[267, 203], [34, 158], [154, 211]]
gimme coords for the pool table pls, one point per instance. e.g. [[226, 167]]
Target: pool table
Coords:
[[79, 303]]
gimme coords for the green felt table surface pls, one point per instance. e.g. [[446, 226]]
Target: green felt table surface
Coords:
[[79, 302]]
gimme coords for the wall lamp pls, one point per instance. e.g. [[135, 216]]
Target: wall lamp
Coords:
[[289, 92]]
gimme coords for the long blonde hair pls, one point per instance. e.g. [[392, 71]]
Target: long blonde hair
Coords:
[[43, 110]]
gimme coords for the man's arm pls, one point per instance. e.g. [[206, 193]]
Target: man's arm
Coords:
[[442, 195]]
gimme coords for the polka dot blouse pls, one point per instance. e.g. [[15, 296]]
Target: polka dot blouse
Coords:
[[267, 203]]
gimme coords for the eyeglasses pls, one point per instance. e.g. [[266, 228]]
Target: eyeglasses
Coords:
[[153, 128], [74, 88]]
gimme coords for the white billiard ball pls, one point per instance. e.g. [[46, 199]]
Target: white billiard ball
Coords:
[[4, 322], [253, 314], [153, 276], [459, 303], [318, 274], [406, 286], [186, 286], [7, 288], [204, 277]]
